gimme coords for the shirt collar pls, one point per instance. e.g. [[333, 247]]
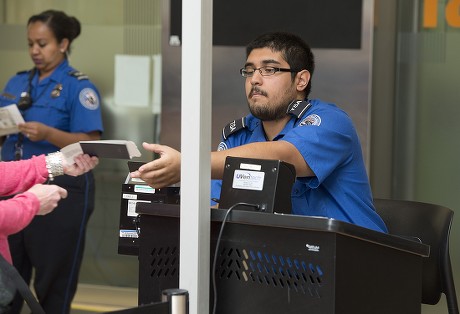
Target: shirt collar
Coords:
[[56, 76]]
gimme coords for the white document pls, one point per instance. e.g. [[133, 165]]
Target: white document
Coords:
[[118, 149], [10, 117]]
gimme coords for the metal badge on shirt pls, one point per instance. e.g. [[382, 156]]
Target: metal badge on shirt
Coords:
[[56, 92]]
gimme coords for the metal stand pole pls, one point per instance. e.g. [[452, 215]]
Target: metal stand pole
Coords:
[[177, 299]]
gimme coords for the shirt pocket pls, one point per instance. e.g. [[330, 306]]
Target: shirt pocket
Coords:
[[52, 112]]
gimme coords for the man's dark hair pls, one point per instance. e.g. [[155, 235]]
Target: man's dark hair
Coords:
[[294, 50]]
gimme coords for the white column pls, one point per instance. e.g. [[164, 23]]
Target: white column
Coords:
[[195, 148]]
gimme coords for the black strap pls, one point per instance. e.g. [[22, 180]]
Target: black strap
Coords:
[[297, 108], [233, 127], [10, 271]]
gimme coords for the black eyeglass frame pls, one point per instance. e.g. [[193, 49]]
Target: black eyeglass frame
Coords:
[[275, 70]]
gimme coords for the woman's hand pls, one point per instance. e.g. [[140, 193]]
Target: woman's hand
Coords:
[[48, 196], [34, 131], [83, 163]]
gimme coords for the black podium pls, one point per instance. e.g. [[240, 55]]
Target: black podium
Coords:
[[272, 263]]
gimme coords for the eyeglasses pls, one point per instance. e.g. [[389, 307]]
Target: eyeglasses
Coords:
[[264, 71]]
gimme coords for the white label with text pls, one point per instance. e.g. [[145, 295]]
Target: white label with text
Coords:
[[248, 180]]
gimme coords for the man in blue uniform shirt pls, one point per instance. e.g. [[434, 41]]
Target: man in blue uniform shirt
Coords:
[[318, 138]]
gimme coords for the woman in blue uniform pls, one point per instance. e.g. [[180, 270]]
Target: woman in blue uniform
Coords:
[[60, 106]]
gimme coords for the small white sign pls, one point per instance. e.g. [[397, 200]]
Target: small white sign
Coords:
[[127, 196], [312, 248], [144, 189], [248, 180], [250, 166], [131, 210], [129, 234]]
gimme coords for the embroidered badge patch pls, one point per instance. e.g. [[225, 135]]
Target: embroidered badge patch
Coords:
[[89, 99], [222, 146], [312, 119]]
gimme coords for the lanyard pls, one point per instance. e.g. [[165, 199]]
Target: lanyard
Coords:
[[24, 103]]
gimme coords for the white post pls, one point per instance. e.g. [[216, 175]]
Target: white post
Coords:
[[195, 148]]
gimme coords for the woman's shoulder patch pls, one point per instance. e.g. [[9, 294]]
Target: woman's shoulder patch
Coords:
[[89, 99]]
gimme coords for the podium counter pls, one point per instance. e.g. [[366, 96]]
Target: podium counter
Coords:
[[278, 263]]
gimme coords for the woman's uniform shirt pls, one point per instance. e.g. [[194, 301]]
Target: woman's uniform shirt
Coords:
[[327, 140], [66, 100]]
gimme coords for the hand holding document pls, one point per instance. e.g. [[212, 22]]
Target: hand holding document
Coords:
[[118, 149], [10, 117]]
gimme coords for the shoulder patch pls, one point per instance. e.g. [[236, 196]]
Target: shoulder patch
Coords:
[[222, 146], [89, 99], [79, 75], [298, 107], [312, 119], [233, 127]]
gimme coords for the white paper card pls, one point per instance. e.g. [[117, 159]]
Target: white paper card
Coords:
[[10, 117]]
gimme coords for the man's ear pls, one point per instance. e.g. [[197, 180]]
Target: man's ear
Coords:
[[302, 77]]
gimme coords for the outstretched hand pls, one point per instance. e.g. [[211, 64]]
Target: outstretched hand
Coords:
[[163, 171], [83, 163]]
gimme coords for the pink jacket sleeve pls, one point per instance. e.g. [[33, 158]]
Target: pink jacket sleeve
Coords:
[[17, 212], [19, 176]]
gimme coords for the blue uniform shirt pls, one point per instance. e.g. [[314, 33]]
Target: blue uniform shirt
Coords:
[[327, 139], [66, 100]]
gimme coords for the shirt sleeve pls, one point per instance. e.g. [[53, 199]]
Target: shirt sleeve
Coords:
[[216, 186], [85, 109], [325, 146], [16, 213]]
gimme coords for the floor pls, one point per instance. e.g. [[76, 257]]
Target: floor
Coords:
[[92, 299]]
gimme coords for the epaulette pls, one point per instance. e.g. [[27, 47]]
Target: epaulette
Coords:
[[233, 127], [298, 107], [23, 72], [79, 75]]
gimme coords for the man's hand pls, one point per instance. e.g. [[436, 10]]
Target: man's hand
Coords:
[[83, 163], [49, 196], [161, 172]]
